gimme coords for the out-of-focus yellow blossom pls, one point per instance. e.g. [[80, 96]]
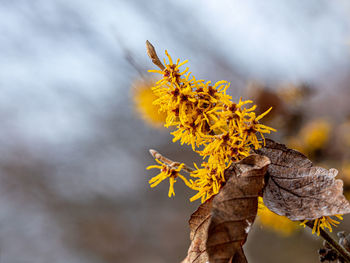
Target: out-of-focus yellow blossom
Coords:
[[143, 97], [205, 117], [314, 136], [279, 224], [323, 222]]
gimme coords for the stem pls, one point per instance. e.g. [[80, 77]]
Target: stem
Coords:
[[151, 52], [169, 162], [331, 241]]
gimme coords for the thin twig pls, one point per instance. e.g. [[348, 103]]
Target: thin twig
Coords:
[[169, 162], [331, 241], [151, 52], [128, 55]]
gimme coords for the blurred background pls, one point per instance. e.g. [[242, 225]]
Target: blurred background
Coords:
[[76, 122]]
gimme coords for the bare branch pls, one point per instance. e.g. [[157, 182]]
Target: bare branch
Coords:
[[331, 241]]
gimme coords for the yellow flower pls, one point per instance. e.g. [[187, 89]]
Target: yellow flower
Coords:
[[252, 126], [224, 148], [143, 97], [208, 183], [171, 73], [279, 224], [167, 172], [323, 222], [233, 114]]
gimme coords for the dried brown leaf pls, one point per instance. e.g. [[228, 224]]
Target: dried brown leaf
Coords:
[[220, 226], [199, 223], [297, 189]]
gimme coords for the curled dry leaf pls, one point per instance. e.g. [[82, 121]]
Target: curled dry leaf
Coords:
[[220, 226], [199, 223], [297, 189]]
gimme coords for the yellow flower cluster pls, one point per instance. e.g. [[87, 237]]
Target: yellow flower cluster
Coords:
[[205, 117]]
